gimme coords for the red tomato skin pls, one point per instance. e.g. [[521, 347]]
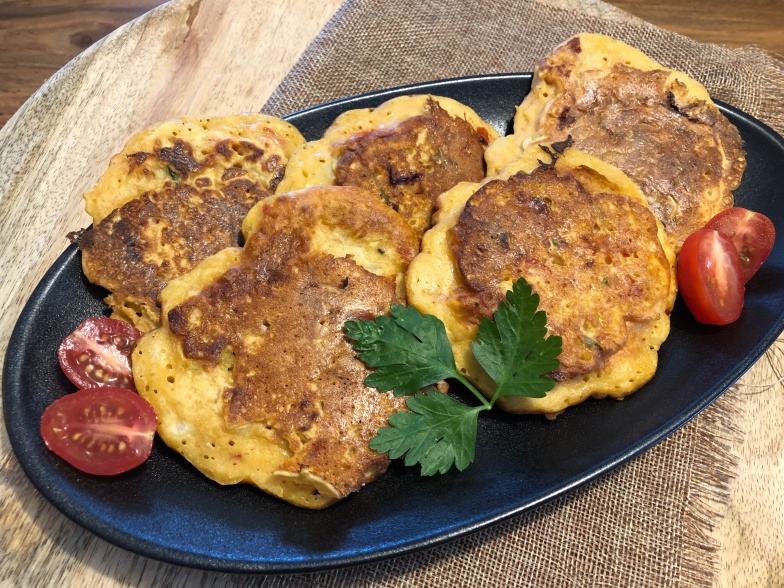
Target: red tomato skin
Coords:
[[102, 343], [752, 233], [102, 431], [710, 277]]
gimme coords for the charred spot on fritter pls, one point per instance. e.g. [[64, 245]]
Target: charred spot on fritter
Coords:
[[410, 164], [281, 312], [277, 167], [594, 258], [179, 157], [233, 173], [674, 147], [249, 151], [139, 247], [566, 118], [136, 159], [244, 191]]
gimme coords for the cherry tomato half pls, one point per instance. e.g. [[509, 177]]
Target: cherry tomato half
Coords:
[[103, 431], [752, 233], [98, 353], [710, 277]]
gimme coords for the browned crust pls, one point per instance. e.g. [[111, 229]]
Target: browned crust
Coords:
[[682, 152], [279, 314], [183, 165], [136, 250], [594, 258], [410, 164]]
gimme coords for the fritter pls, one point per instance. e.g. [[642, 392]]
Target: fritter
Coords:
[[582, 235], [407, 151], [203, 152], [659, 126], [176, 194], [251, 375], [136, 250]]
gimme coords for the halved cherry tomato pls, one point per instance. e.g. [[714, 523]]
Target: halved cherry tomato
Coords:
[[752, 233], [710, 277], [101, 431], [98, 353]]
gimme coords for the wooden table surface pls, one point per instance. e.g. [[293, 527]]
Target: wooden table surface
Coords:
[[37, 37]]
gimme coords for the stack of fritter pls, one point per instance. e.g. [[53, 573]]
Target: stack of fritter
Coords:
[[584, 238], [658, 126], [581, 228], [176, 194], [250, 372]]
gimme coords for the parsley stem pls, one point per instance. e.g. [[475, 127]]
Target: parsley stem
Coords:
[[487, 403]]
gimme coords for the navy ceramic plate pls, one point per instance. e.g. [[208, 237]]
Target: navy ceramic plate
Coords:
[[167, 510]]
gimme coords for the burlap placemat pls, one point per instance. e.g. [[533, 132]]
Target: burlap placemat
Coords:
[[649, 522]]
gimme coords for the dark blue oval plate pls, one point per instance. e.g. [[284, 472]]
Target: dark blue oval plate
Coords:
[[167, 510]]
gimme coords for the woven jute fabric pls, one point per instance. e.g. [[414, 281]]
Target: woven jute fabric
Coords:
[[648, 523]]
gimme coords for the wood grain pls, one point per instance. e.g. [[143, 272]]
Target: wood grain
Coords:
[[724, 22], [38, 37]]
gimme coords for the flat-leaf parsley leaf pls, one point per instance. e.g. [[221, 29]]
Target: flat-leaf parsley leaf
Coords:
[[410, 351], [513, 348]]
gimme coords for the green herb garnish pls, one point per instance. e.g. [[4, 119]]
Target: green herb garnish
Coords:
[[410, 351], [173, 175]]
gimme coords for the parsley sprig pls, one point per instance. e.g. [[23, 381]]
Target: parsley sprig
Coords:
[[410, 351]]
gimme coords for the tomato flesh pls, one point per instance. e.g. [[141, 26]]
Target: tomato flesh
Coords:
[[710, 277], [103, 431], [752, 233], [98, 353]]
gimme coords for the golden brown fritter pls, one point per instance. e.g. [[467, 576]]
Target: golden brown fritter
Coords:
[[411, 164], [406, 151], [594, 258], [203, 152], [261, 384], [658, 126], [138, 248], [581, 233], [294, 370]]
